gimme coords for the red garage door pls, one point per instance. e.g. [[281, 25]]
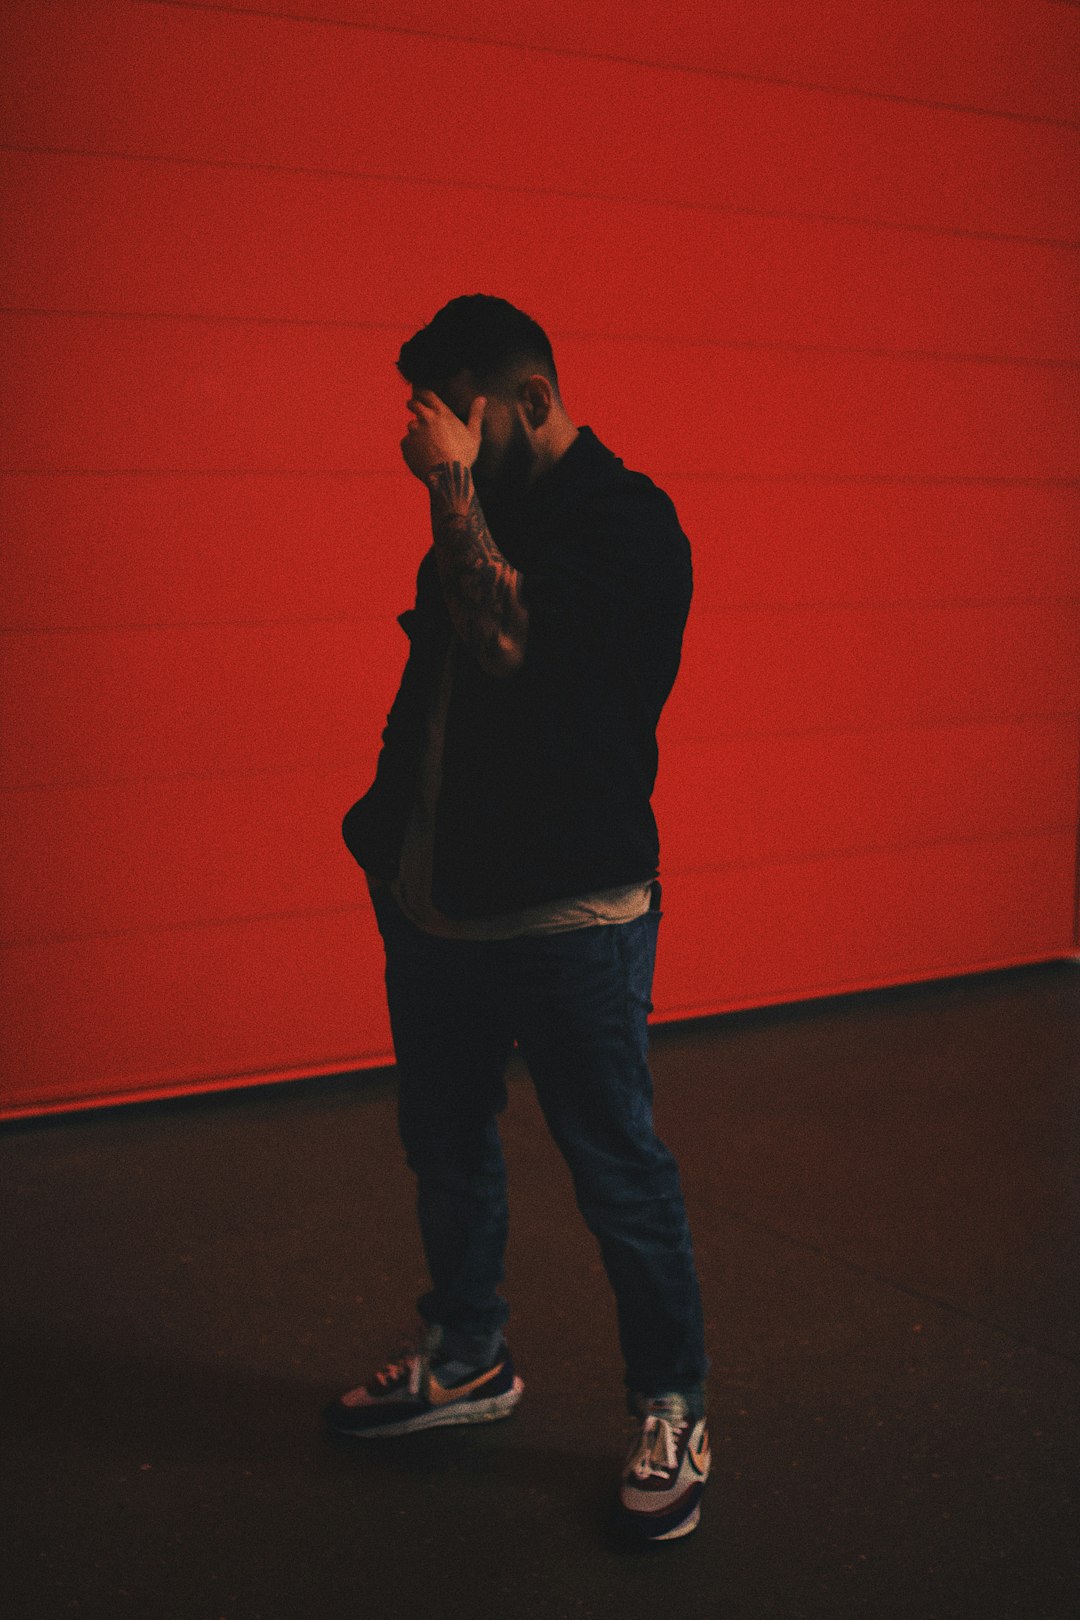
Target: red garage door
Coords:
[[816, 275]]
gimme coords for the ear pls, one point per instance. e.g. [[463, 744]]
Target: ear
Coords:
[[538, 398]]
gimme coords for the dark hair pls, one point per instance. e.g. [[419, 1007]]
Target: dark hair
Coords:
[[487, 335]]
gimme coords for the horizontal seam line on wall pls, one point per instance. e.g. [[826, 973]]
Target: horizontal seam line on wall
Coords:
[[1069, 716], [821, 858], [992, 722], [94, 783], [899, 846], [1041, 717], [868, 605], [863, 605], [364, 621], [553, 191], [898, 479], [629, 61], [240, 919], [1064, 718], [753, 345], [873, 605]]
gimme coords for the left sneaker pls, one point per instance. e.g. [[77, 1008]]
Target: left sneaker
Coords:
[[408, 1393], [665, 1471]]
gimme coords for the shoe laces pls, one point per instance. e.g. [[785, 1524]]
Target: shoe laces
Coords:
[[408, 1356], [657, 1445]]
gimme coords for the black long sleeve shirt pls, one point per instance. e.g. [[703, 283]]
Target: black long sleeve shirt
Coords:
[[547, 774]]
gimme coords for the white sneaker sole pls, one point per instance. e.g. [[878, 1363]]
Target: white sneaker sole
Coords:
[[683, 1529]]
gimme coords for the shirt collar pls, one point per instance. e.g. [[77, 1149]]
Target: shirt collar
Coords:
[[585, 462]]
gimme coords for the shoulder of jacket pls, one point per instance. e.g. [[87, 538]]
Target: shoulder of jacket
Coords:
[[633, 502], [633, 492]]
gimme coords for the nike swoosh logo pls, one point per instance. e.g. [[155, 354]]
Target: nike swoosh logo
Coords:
[[700, 1456], [438, 1396]]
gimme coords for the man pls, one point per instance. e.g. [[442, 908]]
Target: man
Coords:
[[512, 858]]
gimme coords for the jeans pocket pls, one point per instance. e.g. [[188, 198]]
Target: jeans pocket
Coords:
[[637, 951]]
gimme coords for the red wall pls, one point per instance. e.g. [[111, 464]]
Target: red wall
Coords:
[[816, 274]]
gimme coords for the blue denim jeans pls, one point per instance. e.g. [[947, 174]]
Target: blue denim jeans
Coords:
[[576, 1005]]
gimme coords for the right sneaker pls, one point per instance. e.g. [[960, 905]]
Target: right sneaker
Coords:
[[666, 1469], [407, 1394]]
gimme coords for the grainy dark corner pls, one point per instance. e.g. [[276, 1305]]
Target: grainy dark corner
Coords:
[[541, 799]]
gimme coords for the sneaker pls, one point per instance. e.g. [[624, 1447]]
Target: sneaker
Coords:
[[408, 1394], [665, 1470]]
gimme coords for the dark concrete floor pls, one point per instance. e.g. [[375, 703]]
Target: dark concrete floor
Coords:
[[884, 1196]]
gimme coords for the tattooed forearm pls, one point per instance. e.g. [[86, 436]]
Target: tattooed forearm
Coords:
[[483, 592]]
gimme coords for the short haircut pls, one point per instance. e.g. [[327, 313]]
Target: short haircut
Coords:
[[486, 335]]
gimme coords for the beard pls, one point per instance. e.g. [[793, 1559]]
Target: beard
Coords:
[[503, 493]]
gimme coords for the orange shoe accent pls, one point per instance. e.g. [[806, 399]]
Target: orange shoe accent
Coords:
[[438, 1396], [700, 1456]]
